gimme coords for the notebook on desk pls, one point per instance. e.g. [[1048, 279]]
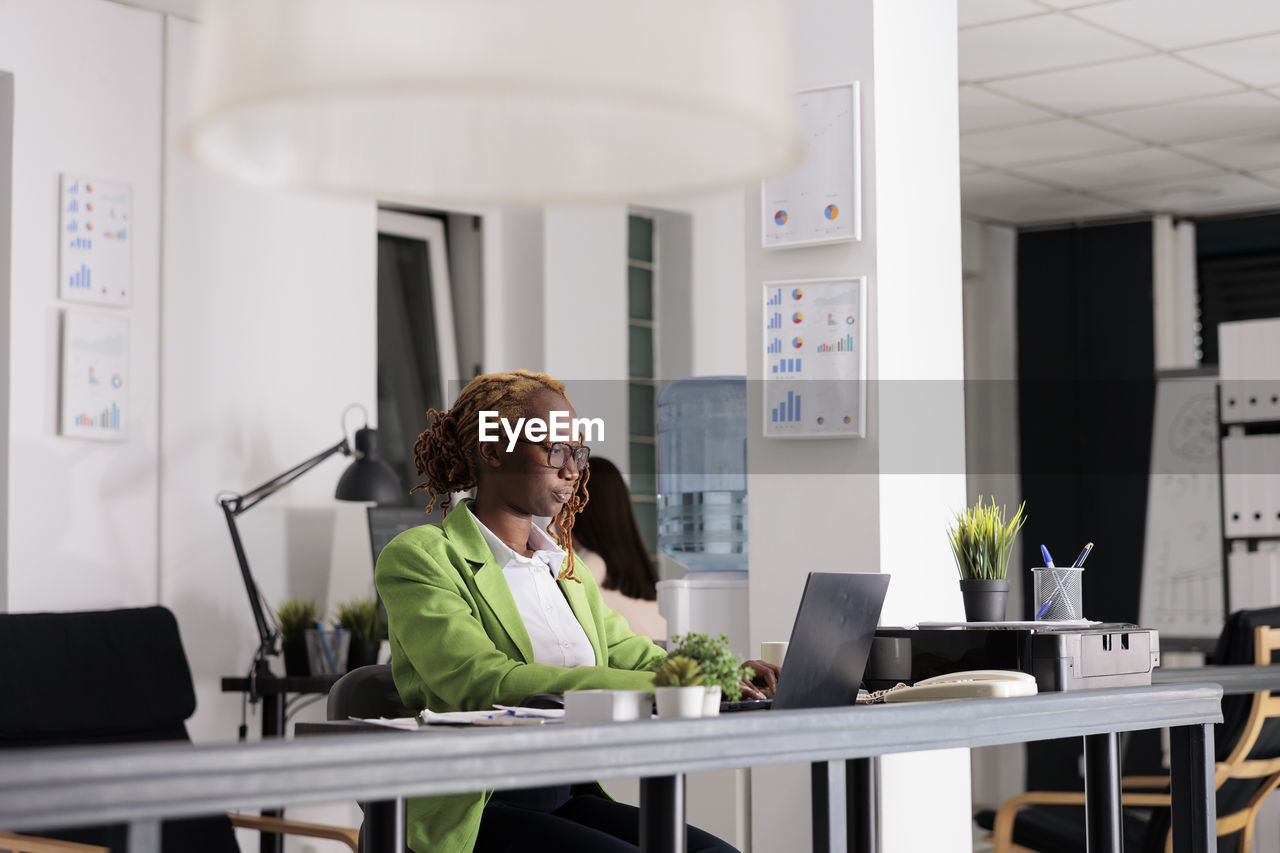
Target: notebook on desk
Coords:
[[830, 643]]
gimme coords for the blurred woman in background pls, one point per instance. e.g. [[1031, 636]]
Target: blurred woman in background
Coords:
[[608, 540]]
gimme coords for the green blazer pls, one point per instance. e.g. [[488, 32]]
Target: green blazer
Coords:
[[458, 644]]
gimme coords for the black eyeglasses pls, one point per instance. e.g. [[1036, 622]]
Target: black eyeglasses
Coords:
[[558, 454]]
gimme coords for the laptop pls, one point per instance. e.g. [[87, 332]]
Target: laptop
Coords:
[[830, 643]]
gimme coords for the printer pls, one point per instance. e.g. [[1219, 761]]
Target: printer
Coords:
[[1061, 658]]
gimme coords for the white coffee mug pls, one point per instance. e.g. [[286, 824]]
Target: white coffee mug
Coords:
[[773, 653]]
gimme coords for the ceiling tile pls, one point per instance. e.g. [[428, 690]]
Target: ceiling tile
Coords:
[[983, 110], [1052, 207], [1171, 24], [1144, 166], [1203, 118], [971, 168], [1050, 140], [1199, 195], [1115, 85], [1030, 45], [1251, 61], [972, 12], [1067, 4], [1272, 176], [1243, 153]]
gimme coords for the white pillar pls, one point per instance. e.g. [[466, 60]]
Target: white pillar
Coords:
[[881, 503]]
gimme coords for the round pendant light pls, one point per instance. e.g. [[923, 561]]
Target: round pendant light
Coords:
[[494, 101]]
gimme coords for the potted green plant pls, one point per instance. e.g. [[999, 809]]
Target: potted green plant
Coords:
[[981, 541], [722, 670], [677, 687], [362, 619], [296, 616]]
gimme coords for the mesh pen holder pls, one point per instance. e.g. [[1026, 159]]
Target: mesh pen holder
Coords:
[[1059, 589], [327, 651]]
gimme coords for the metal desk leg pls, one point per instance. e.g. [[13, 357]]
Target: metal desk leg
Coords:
[[272, 726], [662, 820], [384, 828], [864, 805], [144, 836], [1102, 793], [830, 806], [1195, 806]]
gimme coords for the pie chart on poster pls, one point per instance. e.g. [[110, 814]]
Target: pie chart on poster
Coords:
[[780, 218], [831, 212], [797, 317], [797, 342]]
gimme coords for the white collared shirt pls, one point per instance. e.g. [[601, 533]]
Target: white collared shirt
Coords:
[[556, 634]]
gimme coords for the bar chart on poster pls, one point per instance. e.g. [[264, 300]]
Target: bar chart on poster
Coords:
[[95, 375], [814, 358], [1182, 582], [95, 240]]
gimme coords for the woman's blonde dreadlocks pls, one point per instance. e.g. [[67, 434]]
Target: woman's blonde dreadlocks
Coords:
[[445, 452]]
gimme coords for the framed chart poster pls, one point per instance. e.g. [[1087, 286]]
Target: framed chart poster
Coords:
[[95, 236], [95, 375], [821, 201], [815, 358]]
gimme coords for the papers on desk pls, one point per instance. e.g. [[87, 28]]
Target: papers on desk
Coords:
[[1043, 623], [501, 715]]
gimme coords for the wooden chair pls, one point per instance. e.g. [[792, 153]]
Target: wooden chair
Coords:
[[114, 676], [1246, 772]]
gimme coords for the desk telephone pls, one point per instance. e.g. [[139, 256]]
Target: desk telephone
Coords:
[[974, 684]]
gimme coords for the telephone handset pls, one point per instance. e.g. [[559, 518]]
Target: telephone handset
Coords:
[[973, 684]]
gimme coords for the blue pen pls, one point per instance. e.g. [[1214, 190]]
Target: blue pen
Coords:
[[328, 652], [1083, 554], [1048, 563]]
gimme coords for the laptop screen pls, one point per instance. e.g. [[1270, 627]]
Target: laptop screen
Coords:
[[830, 640]]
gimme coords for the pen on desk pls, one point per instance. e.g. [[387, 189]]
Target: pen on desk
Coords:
[[1048, 561], [1079, 563], [328, 652]]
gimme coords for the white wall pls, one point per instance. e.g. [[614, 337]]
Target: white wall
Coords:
[[6, 208], [269, 331], [79, 516]]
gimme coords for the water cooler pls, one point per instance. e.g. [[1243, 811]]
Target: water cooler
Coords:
[[702, 506]]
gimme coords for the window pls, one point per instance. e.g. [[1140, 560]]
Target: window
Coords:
[[641, 382], [417, 356]]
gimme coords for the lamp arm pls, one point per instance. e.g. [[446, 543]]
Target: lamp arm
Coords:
[[242, 503], [235, 505]]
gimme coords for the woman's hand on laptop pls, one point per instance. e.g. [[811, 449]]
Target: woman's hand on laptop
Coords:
[[764, 683]]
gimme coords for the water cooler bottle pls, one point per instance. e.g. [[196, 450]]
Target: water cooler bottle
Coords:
[[702, 506]]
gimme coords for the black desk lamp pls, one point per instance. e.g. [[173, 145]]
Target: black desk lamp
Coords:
[[368, 478]]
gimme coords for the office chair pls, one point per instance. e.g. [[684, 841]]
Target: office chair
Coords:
[[1247, 770], [112, 676], [368, 692]]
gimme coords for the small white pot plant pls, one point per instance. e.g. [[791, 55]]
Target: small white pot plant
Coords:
[[677, 687], [722, 670]]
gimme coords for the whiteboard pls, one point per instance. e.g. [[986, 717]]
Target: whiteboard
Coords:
[[1182, 581]]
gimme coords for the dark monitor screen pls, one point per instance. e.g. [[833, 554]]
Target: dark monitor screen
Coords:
[[387, 522]]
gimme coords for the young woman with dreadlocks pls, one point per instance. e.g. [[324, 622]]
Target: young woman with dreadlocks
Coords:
[[486, 607]]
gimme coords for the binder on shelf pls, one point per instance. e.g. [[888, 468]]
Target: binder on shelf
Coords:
[[1254, 579]]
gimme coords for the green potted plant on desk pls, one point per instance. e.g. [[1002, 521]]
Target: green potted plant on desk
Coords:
[[722, 670], [677, 687], [982, 541], [295, 616], [362, 619]]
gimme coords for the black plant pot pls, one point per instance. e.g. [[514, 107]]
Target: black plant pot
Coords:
[[984, 600], [295, 659], [363, 653]]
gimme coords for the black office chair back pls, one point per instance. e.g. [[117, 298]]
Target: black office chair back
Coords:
[[94, 677], [367, 692]]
